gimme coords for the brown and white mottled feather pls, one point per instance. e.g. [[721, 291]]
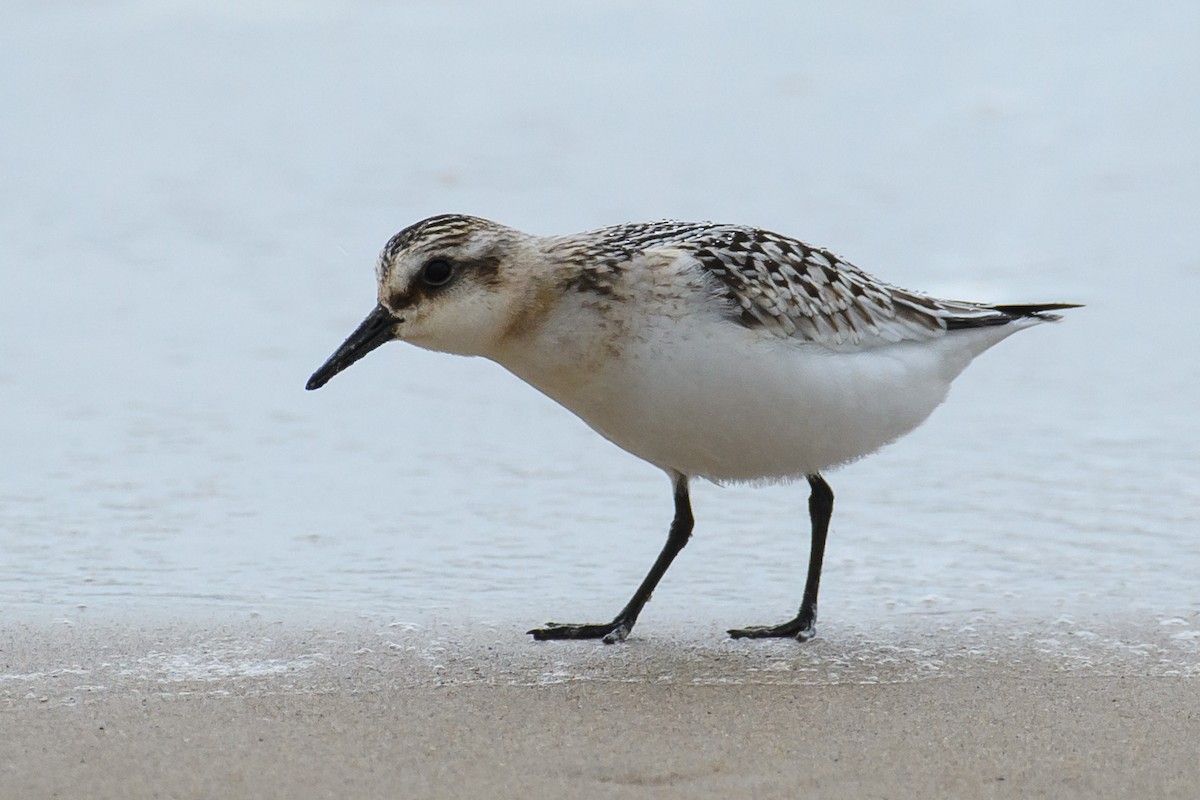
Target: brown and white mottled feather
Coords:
[[784, 285]]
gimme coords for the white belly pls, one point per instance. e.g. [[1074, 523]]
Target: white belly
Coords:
[[715, 400]]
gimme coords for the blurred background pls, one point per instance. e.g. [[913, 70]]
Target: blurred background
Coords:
[[194, 195]]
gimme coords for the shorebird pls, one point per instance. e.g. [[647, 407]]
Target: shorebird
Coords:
[[711, 351]]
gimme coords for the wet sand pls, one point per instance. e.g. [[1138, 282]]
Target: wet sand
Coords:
[[260, 711]]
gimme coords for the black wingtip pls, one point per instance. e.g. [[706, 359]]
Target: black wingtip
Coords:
[[1035, 310], [1007, 313]]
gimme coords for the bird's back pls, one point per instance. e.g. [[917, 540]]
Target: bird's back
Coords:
[[786, 287]]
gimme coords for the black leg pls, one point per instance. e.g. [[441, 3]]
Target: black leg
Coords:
[[622, 624], [804, 626]]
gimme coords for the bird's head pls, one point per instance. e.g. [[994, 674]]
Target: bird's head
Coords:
[[446, 283]]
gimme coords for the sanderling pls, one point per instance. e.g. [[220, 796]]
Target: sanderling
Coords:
[[711, 351]]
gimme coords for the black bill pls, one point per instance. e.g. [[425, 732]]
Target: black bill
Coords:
[[378, 328]]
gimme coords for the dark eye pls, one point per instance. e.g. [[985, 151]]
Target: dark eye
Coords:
[[437, 272]]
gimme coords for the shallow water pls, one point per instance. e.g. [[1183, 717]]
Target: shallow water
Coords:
[[194, 196]]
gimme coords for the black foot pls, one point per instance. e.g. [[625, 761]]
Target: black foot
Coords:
[[799, 629], [610, 633]]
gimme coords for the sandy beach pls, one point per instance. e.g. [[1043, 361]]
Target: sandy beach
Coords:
[[264, 711]]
